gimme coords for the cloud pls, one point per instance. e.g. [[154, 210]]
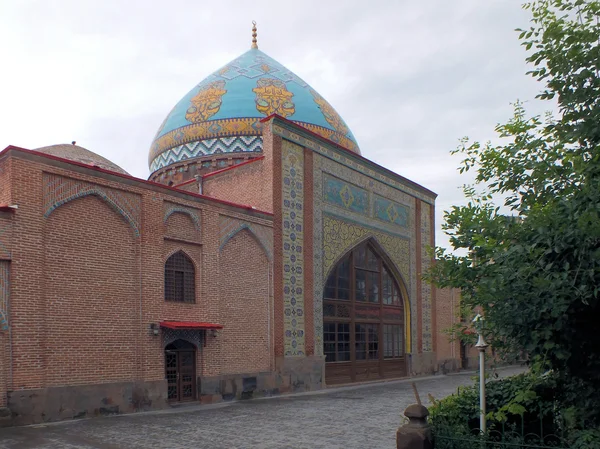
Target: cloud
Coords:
[[409, 78]]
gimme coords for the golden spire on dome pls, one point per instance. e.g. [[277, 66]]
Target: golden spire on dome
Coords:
[[254, 45]]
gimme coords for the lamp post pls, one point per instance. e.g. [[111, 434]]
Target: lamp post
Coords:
[[481, 346]]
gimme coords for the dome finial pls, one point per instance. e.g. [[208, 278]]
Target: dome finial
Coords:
[[254, 45]]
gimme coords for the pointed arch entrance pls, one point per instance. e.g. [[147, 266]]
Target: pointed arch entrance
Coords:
[[365, 317], [180, 371]]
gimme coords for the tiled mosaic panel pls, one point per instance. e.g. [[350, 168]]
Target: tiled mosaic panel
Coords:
[[293, 248], [425, 286], [389, 211], [355, 164], [4, 293], [5, 238], [345, 195], [322, 208], [60, 190], [340, 236], [194, 214], [229, 226]]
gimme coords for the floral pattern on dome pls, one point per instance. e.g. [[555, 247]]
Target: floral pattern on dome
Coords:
[[272, 97], [330, 114], [207, 102]]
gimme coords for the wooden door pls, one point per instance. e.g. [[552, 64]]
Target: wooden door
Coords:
[[180, 372]]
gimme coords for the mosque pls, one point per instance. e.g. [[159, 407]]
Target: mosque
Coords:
[[264, 255]]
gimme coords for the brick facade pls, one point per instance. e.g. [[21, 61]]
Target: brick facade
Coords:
[[250, 184], [87, 274], [447, 314], [88, 281]]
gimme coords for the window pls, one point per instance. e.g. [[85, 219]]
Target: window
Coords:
[[180, 279], [367, 341], [392, 341], [363, 310], [338, 284], [336, 338]]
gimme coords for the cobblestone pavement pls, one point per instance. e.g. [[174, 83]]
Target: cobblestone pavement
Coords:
[[362, 417]]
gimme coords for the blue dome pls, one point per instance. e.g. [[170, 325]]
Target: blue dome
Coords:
[[222, 114]]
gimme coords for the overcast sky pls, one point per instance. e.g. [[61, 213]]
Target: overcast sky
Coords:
[[409, 77]]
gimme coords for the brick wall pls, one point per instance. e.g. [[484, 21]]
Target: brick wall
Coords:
[[83, 304], [245, 305], [5, 179], [189, 186], [5, 243], [179, 225], [91, 292], [249, 184], [447, 310]]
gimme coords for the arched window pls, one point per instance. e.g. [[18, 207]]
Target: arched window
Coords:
[[180, 279], [363, 319]]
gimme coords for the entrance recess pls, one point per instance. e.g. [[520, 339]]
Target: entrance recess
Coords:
[[180, 371], [363, 320]]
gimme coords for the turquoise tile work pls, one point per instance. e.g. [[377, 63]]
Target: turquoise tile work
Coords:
[[345, 195], [293, 248], [229, 104], [390, 211]]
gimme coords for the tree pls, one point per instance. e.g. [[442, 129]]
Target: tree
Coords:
[[535, 272]]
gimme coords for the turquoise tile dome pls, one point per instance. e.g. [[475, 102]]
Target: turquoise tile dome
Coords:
[[222, 113]]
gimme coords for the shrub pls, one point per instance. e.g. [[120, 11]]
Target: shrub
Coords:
[[518, 408]]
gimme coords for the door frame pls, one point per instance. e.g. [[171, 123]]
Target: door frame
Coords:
[[190, 348]]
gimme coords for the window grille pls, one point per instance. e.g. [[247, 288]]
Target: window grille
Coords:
[[180, 279]]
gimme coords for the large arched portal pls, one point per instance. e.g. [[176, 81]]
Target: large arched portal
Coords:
[[365, 314]]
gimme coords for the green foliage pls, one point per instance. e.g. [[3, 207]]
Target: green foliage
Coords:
[[535, 273], [526, 407], [513, 401], [586, 439]]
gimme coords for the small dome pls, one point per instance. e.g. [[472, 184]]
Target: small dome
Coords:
[[222, 114], [79, 154]]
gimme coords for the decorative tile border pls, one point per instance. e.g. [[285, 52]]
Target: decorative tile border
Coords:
[[4, 294], [425, 286], [208, 147], [188, 138], [293, 254], [229, 227], [357, 165], [59, 190], [171, 208]]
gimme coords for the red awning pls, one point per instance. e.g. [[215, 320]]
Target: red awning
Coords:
[[7, 208], [189, 325]]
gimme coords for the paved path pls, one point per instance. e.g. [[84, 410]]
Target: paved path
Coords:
[[361, 417]]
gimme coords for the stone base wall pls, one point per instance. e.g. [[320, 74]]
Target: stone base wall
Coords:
[[293, 375], [59, 403], [421, 364], [86, 401], [449, 365]]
